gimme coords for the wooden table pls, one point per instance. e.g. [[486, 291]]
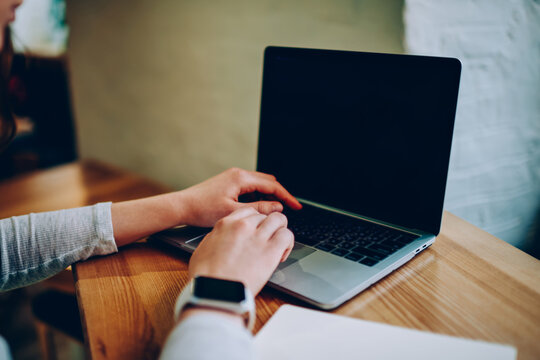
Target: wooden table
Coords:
[[468, 284]]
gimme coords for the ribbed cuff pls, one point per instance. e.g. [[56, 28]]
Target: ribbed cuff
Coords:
[[104, 229]]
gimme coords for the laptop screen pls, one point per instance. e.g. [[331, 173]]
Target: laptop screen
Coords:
[[362, 132]]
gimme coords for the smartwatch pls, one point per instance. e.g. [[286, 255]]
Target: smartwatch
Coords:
[[220, 294]]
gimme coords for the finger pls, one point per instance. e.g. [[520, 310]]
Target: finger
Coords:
[[248, 214], [272, 187], [243, 220], [271, 225], [242, 212], [282, 243], [263, 206], [262, 175], [255, 220], [266, 207], [287, 252]]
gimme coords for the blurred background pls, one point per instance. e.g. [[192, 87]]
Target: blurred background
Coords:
[[170, 89]]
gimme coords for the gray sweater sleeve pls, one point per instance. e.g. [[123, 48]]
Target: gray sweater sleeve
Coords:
[[37, 246]]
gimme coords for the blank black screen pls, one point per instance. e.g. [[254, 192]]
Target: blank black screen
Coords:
[[366, 133], [219, 289]]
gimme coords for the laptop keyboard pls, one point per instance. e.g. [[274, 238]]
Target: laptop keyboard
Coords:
[[344, 236]]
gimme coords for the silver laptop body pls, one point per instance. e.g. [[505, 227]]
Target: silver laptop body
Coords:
[[359, 137]]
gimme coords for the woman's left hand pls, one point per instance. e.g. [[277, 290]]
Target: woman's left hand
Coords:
[[205, 203], [200, 205]]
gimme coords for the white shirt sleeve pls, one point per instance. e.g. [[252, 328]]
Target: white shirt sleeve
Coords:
[[209, 337], [4, 350]]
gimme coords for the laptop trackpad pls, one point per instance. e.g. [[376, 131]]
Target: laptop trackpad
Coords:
[[299, 251]]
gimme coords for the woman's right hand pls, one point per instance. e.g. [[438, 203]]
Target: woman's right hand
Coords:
[[245, 246]]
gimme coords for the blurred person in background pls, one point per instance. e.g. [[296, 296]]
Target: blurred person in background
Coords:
[[247, 243]]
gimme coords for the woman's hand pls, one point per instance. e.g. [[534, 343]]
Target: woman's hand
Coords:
[[245, 246], [207, 202], [199, 205]]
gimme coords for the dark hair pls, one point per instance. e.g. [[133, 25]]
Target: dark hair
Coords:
[[7, 121]]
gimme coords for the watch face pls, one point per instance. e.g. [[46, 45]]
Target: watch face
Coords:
[[219, 289]]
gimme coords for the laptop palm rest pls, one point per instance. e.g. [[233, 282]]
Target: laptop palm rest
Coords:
[[325, 277]]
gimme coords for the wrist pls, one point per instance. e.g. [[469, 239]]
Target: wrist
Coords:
[[227, 297], [180, 207]]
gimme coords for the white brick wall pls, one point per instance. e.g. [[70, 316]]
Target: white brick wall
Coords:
[[494, 179]]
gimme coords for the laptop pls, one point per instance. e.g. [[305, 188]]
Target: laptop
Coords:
[[363, 141]]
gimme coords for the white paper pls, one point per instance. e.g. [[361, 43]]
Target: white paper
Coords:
[[297, 333]]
